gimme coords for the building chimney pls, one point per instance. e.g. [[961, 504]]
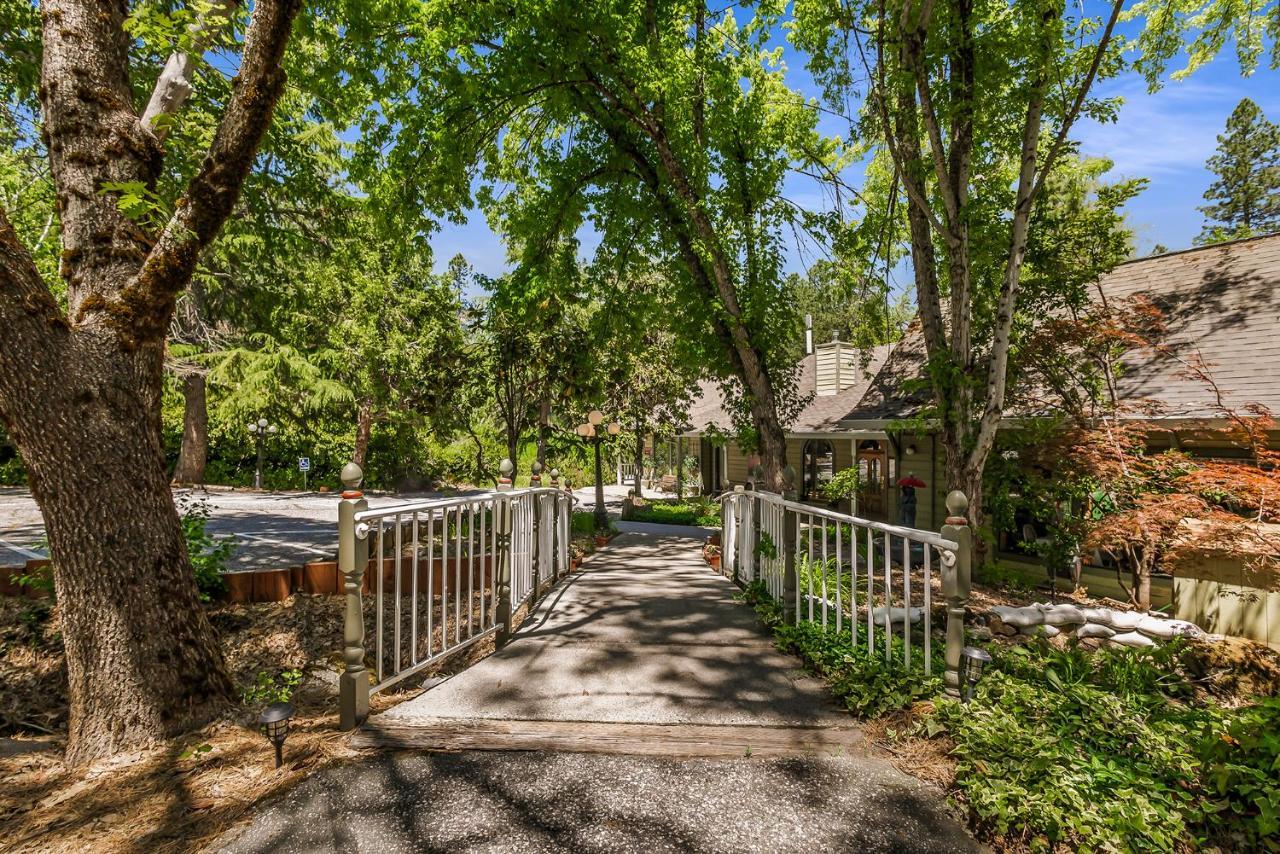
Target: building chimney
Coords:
[[836, 367], [808, 334]]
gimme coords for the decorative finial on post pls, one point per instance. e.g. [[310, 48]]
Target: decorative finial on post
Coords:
[[789, 481], [957, 508], [351, 476], [504, 474], [555, 477], [535, 474]]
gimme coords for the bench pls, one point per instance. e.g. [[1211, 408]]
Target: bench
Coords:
[[668, 483]]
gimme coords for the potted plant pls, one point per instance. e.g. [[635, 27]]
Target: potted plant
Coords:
[[712, 554]]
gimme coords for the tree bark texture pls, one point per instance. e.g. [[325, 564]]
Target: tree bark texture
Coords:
[[639, 461], [80, 394], [364, 432], [195, 431]]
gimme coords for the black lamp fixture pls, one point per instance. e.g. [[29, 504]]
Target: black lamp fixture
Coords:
[[275, 726], [973, 661]]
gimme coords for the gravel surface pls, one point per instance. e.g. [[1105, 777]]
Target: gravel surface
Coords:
[[529, 802]]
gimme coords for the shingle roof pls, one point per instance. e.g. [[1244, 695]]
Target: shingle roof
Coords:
[[821, 414], [824, 413], [1221, 302], [708, 408]]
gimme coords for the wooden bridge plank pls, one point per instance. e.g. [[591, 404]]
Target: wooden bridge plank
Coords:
[[630, 739]]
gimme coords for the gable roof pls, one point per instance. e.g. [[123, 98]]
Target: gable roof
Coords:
[[821, 414], [1220, 302]]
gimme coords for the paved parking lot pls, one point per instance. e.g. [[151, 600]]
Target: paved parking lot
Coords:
[[273, 529]]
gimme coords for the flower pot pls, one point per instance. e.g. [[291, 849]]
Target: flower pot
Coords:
[[714, 561], [601, 540]]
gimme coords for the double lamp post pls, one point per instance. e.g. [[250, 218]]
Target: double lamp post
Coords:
[[592, 429], [260, 430]]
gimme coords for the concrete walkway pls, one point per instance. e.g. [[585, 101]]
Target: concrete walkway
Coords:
[[622, 717]]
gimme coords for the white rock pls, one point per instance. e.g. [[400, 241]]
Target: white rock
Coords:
[[1036, 631], [1095, 630], [1134, 639], [1097, 615], [896, 615], [1019, 617], [1063, 615], [1125, 620], [1157, 627]]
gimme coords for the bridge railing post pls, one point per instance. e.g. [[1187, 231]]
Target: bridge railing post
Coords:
[[956, 583], [537, 552], [559, 567], [353, 561], [790, 541], [502, 526]]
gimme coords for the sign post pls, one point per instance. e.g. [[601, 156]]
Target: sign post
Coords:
[[304, 466]]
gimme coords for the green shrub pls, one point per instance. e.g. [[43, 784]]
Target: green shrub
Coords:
[[693, 511], [584, 522], [209, 554], [1104, 751], [865, 682], [267, 689], [1242, 774]]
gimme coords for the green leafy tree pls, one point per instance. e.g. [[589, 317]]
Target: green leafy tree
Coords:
[[1245, 198], [668, 127], [975, 106]]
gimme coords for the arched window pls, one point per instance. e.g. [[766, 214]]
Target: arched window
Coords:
[[819, 466]]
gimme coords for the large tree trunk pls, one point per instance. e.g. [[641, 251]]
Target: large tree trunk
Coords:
[[143, 662], [364, 432], [80, 392], [195, 431], [639, 460]]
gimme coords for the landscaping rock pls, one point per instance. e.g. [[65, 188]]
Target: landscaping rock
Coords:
[[1133, 639], [896, 615], [1095, 630], [1019, 617], [1157, 627], [997, 626]]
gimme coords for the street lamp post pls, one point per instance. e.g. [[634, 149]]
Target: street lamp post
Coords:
[[260, 430], [591, 430]]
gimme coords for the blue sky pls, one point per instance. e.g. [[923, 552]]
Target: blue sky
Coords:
[[1164, 137]]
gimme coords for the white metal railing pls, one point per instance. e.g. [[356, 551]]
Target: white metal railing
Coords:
[[854, 575], [435, 571]]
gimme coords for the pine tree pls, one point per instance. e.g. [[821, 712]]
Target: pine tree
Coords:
[[1245, 198]]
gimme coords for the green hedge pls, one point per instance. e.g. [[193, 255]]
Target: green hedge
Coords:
[[695, 511]]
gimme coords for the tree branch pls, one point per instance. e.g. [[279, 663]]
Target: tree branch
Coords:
[[1082, 92], [211, 195], [174, 83]]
